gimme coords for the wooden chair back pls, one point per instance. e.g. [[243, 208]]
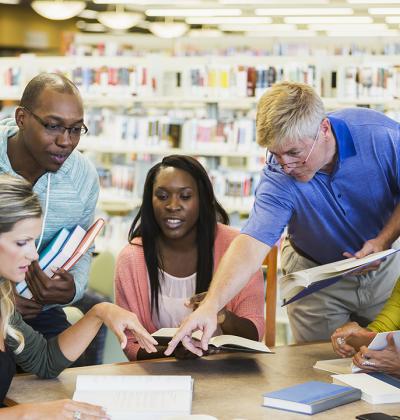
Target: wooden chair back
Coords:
[[271, 265]]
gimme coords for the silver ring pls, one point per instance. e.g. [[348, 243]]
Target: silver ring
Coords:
[[340, 341], [77, 415]]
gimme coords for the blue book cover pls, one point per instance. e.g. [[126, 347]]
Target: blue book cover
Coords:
[[311, 397], [45, 257], [52, 249]]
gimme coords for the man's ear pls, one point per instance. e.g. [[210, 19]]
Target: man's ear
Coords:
[[20, 115], [326, 128]]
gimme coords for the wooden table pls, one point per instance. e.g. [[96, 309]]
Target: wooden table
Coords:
[[227, 386]]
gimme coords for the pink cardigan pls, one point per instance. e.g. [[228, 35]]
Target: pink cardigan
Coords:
[[132, 289]]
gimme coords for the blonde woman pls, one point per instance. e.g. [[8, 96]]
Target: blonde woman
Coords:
[[20, 224]]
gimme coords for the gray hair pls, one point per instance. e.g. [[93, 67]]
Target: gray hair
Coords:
[[288, 112]]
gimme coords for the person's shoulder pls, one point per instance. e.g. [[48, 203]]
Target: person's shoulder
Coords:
[[80, 165], [364, 116], [80, 173], [132, 250]]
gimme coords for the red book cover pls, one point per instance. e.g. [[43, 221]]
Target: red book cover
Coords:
[[85, 244]]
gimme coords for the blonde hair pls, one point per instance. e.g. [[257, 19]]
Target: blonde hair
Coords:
[[288, 112], [17, 202]]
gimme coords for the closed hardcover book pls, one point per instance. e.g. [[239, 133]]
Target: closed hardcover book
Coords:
[[45, 257], [66, 251], [84, 245], [376, 387], [53, 248], [311, 397]]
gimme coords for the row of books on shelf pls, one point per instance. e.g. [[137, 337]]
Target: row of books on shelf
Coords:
[[200, 81], [369, 82], [231, 134], [112, 47]]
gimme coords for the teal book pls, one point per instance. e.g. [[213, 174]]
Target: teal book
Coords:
[[45, 257], [53, 248], [311, 397]]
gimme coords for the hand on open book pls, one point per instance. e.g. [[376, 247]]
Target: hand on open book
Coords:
[[194, 303], [347, 339], [369, 247], [204, 318], [45, 290], [28, 308], [386, 360]]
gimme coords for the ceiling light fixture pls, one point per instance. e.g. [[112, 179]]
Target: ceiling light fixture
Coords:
[[347, 27], [120, 19], [193, 12], [250, 2], [220, 20], [256, 28], [384, 11], [168, 29], [304, 11], [303, 33], [328, 19], [59, 9]]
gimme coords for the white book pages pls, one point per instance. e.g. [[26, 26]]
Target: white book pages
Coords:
[[137, 397], [379, 343], [373, 390], [338, 366]]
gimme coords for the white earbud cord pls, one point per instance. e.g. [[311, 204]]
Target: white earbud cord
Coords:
[[46, 206]]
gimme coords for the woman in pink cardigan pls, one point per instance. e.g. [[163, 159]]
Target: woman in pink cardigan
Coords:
[[175, 244]]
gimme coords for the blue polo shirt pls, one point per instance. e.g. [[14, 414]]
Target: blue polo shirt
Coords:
[[336, 212]]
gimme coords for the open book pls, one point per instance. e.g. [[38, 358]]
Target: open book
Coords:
[[379, 343], [225, 342], [64, 251], [302, 283], [128, 397]]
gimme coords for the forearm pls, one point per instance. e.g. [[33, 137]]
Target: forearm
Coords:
[[85, 329], [17, 412], [242, 327], [243, 258]]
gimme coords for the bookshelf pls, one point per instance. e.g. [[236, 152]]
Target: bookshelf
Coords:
[[140, 108]]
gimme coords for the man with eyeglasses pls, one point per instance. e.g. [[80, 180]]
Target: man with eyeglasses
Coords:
[[333, 180], [39, 145]]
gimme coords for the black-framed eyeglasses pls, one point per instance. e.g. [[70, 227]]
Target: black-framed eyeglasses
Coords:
[[56, 129], [297, 163]]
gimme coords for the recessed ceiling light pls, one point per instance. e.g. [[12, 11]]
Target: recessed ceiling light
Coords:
[[220, 20], [304, 11], [327, 19], [193, 12], [384, 11]]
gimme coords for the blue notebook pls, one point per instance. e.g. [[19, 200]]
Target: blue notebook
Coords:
[[311, 397]]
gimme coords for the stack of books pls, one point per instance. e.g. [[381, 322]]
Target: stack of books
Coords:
[[64, 251]]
